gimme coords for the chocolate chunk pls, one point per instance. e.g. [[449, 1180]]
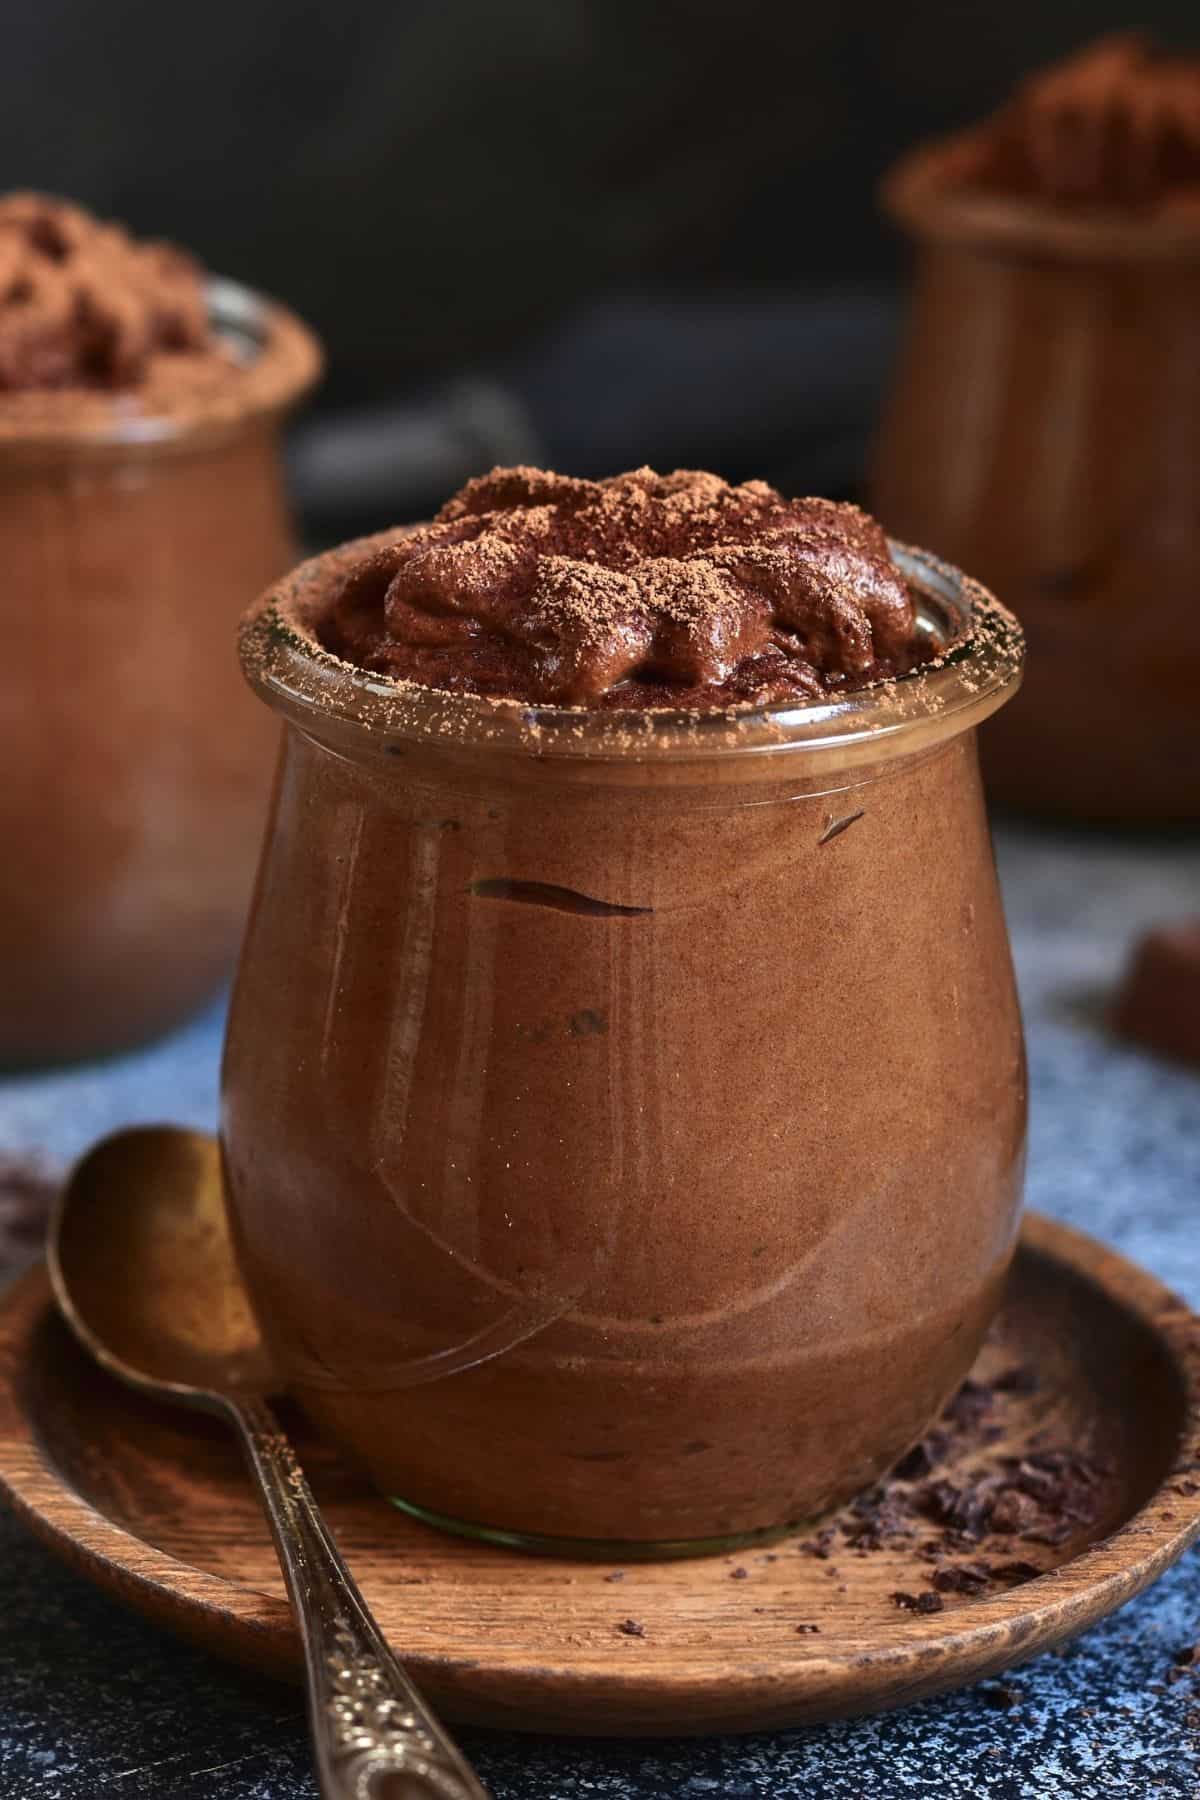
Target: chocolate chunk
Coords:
[[1159, 1005]]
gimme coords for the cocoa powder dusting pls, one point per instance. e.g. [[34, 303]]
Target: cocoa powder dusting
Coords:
[[641, 591]]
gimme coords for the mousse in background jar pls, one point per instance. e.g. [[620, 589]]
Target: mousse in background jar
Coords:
[[624, 1102], [1043, 428], [141, 507]]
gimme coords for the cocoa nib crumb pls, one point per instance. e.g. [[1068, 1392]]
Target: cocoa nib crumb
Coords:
[[632, 1628], [962, 1578], [804, 1629], [969, 1405], [1013, 1511], [1000, 1697], [875, 1517], [1018, 1380], [1042, 1497], [739, 1574], [965, 1510], [918, 1603], [1015, 1572], [923, 1458], [617, 1575]]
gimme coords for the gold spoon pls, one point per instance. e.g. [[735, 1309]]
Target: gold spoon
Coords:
[[145, 1275]]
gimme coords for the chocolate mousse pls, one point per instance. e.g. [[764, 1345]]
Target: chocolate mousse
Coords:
[[642, 590], [82, 305], [1115, 127], [1041, 423], [141, 507], [623, 1101]]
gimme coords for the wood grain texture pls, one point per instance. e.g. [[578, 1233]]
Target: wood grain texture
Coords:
[[152, 1505]]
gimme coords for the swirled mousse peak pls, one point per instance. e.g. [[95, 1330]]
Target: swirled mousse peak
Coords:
[[644, 590], [84, 306], [1117, 126]]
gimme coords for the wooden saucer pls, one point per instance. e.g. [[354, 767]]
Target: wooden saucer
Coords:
[[152, 1505]]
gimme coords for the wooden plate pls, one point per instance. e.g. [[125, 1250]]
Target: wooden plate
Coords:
[[152, 1505]]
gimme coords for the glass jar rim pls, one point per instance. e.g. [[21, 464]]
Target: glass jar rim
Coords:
[[279, 360], [332, 700], [916, 194]]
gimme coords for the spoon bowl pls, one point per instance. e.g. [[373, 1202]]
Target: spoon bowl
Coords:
[[144, 1270]]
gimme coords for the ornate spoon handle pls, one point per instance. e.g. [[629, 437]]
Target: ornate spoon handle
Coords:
[[374, 1736]]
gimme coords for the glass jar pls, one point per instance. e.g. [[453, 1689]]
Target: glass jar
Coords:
[[624, 1113], [1043, 428], [138, 767]]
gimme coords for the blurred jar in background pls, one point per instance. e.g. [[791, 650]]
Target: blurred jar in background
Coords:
[[141, 506], [1044, 423]]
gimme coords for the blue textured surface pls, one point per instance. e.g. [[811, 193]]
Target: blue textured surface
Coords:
[[94, 1704]]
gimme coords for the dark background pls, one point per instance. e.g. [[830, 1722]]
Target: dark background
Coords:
[[625, 230]]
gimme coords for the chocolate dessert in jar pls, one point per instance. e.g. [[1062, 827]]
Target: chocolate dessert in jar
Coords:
[[141, 508], [1043, 428], [624, 1098]]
